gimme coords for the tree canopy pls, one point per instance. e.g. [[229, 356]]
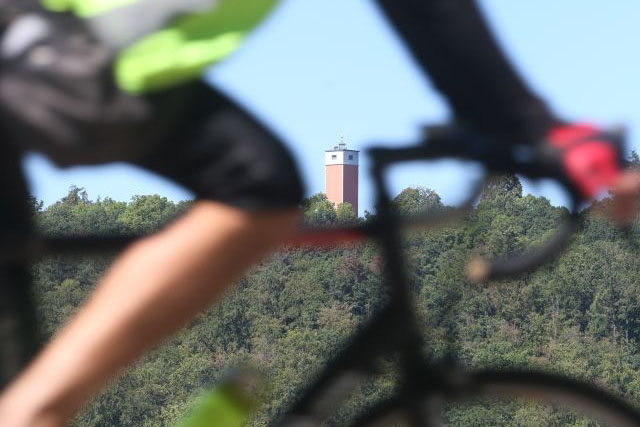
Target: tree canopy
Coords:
[[578, 315]]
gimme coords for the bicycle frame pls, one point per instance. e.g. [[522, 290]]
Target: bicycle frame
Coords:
[[393, 329]]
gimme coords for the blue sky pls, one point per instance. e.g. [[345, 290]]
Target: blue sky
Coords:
[[321, 70]]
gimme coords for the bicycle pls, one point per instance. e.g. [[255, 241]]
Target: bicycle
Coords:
[[423, 386]]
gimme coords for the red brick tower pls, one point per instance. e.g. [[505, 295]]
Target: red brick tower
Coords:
[[341, 172]]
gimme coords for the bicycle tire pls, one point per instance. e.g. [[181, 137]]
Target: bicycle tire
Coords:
[[541, 387]]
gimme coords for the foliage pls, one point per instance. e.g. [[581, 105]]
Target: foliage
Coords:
[[579, 315], [413, 201], [318, 210], [346, 214]]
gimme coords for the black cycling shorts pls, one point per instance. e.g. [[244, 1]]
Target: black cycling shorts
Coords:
[[58, 97], [220, 152], [193, 135]]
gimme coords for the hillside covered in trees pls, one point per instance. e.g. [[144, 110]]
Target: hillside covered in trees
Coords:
[[578, 315]]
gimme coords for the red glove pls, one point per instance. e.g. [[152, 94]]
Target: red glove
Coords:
[[591, 158]]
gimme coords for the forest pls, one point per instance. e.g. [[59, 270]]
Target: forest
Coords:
[[579, 315]]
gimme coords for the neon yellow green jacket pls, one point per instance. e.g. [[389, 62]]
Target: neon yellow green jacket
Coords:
[[162, 43]]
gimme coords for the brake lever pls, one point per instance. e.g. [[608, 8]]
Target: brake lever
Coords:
[[447, 141], [453, 142], [480, 269], [522, 160]]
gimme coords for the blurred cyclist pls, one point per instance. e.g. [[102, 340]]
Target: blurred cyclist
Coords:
[[88, 81], [117, 80]]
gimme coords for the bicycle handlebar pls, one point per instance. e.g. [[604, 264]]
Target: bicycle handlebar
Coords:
[[451, 142], [480, 269], [437, 143]]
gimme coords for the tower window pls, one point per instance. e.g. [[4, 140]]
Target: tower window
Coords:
[[334, 156], [350, 156]]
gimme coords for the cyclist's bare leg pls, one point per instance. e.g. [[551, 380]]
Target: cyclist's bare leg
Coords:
[[156, 286]]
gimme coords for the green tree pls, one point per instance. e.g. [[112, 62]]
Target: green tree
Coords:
[[634, 159], [318, 210], [76, 195], [145, 214], [414, 200], [500, 185], [345, 214]]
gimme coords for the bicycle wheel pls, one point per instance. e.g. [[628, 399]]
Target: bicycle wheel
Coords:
[[540, 387]]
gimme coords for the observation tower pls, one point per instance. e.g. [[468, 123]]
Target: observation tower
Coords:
[[341, 175]]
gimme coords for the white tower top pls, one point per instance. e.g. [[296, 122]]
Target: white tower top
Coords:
[[340, 155]]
